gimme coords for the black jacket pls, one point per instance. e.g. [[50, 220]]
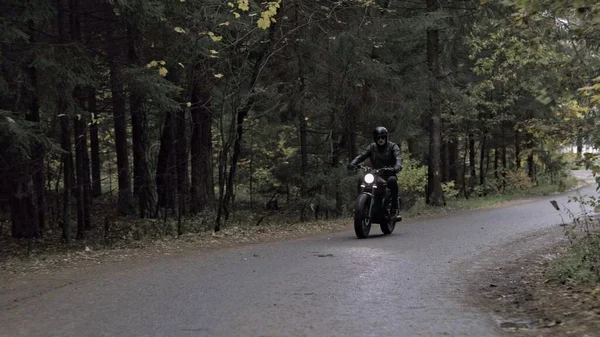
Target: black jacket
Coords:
[[388, 156]]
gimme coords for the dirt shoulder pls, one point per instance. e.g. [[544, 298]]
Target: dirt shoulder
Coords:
[[512, 283]]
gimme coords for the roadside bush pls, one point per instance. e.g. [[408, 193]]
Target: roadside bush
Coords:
[[518, 180], [582, 263], [450, 190], [412, 181]]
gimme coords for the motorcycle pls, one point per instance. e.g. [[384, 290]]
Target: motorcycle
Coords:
[[373, 204]]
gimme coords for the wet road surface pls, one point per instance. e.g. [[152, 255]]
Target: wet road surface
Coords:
[[404, 284]]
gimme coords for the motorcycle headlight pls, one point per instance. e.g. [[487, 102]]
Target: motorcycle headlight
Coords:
[[369, 178]]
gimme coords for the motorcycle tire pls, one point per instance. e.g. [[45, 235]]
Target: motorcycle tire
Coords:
[[362, 224], [388, 226]]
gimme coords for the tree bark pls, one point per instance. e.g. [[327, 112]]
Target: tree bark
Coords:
[[80, 149], [38, 151], [95, 145], [496, 160], [181, 154], [445, 153], [67, 171], [517, 149], [125, 204], [453, 157], [65, 127], [579, 142], [23, 204], [166, 181], [531, 167], [144, 185], [435, 193], [472, 153], [303, 162], [203, 194], [482, 159]]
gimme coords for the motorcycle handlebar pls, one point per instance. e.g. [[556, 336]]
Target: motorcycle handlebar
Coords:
[[368, 169]]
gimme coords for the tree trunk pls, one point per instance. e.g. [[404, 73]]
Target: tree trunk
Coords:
[[517, 149], [222, 174], [65, 127], [453, 158], [242, 113], [95, 145], [464, 169], [203, 193], [166, 181], [445, 153], [115, 59], [144, 185], [482, 161], [181, 154], [579, 142], [80, 149], [303, 162], [68, 172], [531, 169], [38, 151], [473, 177], [336, 140], [435, 193], [496, 160]]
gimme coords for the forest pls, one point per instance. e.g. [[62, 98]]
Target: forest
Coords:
[[187, 114]]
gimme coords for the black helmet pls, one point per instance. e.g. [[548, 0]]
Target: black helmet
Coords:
[[380, 131]]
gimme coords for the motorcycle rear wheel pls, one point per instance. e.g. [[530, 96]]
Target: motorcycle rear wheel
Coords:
[[362, 223]]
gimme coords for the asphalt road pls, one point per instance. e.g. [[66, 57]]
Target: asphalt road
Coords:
[[405, 284]]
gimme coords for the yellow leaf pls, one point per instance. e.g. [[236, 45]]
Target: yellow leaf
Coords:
[[230, 4], [212, 51], [180, 30], [264, 23], [181, 0], [162, 71], [152, 64], [162, 63], [188, 104], [236, 14], [214, 37], [226, 23], [181, 64], [243, 5], [219, 75]]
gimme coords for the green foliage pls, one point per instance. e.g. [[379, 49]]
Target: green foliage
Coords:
[[450, 190], [592, 162], [413, 177], [518, 180], [582, 263]]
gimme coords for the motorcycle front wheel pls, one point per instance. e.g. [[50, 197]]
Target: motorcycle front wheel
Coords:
[[387, 227], [362, 222]]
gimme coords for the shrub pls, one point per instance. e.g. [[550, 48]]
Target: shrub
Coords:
[[518, 180], [412, 178], [450, 190]]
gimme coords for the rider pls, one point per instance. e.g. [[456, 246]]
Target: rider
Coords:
[[383, 154]]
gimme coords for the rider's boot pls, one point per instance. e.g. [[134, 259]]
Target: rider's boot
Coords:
[[394, 212]]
